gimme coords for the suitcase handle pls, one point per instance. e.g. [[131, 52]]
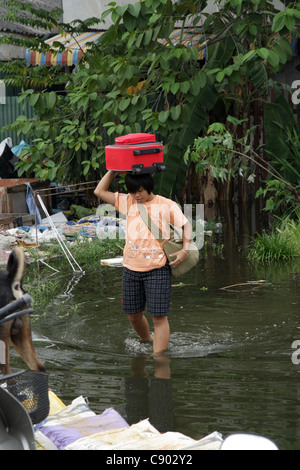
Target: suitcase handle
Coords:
[[146, 151], [141, 169]]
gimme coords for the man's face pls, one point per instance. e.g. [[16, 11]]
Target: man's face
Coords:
[[141, 195]]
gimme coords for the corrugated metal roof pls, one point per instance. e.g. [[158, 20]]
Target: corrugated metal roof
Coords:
[[26, 30]]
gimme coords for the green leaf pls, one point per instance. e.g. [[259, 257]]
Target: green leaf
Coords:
[[26, 128], [131, 41], [249, 55], [201, 77], [177, 52], [163, 116], [220, 76], [50, 99], [134, 9], [184, 87], [284, 44], [175, 112], [50, 151], [258, 75], [86, 168], [129, 72], [23, 96], [278, 22], [263, 53], [103, 82], [108, 124], [129, 21], [273, 58], [124, 103], [33, 99], [147, 37], [154, 18], [296, 13], [280, 52], [49, 164], [290, 23], [120, 10], [111, 130], [198, 82], [119, 129], [139, 40], [164, 63]]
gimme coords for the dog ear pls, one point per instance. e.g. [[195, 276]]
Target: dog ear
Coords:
[[16, 268], [12, 264]]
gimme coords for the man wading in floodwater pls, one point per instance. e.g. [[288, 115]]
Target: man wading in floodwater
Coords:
[[147, 273]]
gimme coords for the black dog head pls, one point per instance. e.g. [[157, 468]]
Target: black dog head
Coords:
[[17, 331], [11, 279]]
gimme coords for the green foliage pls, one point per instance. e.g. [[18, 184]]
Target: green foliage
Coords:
[[226, 156], [278, 197], [283, 139], [283, 153], [135, 79], [281, 196], [229, 157]]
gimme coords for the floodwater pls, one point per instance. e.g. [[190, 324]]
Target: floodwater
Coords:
[[231, 365]]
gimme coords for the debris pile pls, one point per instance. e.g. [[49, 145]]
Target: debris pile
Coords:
[[32, 236]]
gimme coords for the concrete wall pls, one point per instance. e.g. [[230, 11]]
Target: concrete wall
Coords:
[[74, 9]]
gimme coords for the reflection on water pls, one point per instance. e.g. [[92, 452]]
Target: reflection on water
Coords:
[[228, 367], [150, 397]]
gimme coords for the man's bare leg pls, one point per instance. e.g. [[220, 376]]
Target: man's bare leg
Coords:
[[161, 334], [140, 324]]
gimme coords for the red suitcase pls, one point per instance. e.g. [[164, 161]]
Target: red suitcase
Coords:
[[136, 153]]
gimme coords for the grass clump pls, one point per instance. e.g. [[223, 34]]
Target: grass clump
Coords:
[[282, 244]]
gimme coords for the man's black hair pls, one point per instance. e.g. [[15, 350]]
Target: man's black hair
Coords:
[[135, 182]]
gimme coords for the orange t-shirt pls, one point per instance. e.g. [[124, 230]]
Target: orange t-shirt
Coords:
[[143, 252]]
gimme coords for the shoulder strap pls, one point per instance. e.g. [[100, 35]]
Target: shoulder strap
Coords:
[[149, 223]]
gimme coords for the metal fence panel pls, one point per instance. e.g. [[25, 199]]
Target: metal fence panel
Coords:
[[9, 112]]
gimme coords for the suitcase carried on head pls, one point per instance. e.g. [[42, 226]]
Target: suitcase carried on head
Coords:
[[136, 153]]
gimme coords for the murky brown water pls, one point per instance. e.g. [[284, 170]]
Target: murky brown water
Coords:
[[230, 352]]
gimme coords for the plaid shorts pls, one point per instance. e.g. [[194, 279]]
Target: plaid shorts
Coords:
[[151, 287]]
